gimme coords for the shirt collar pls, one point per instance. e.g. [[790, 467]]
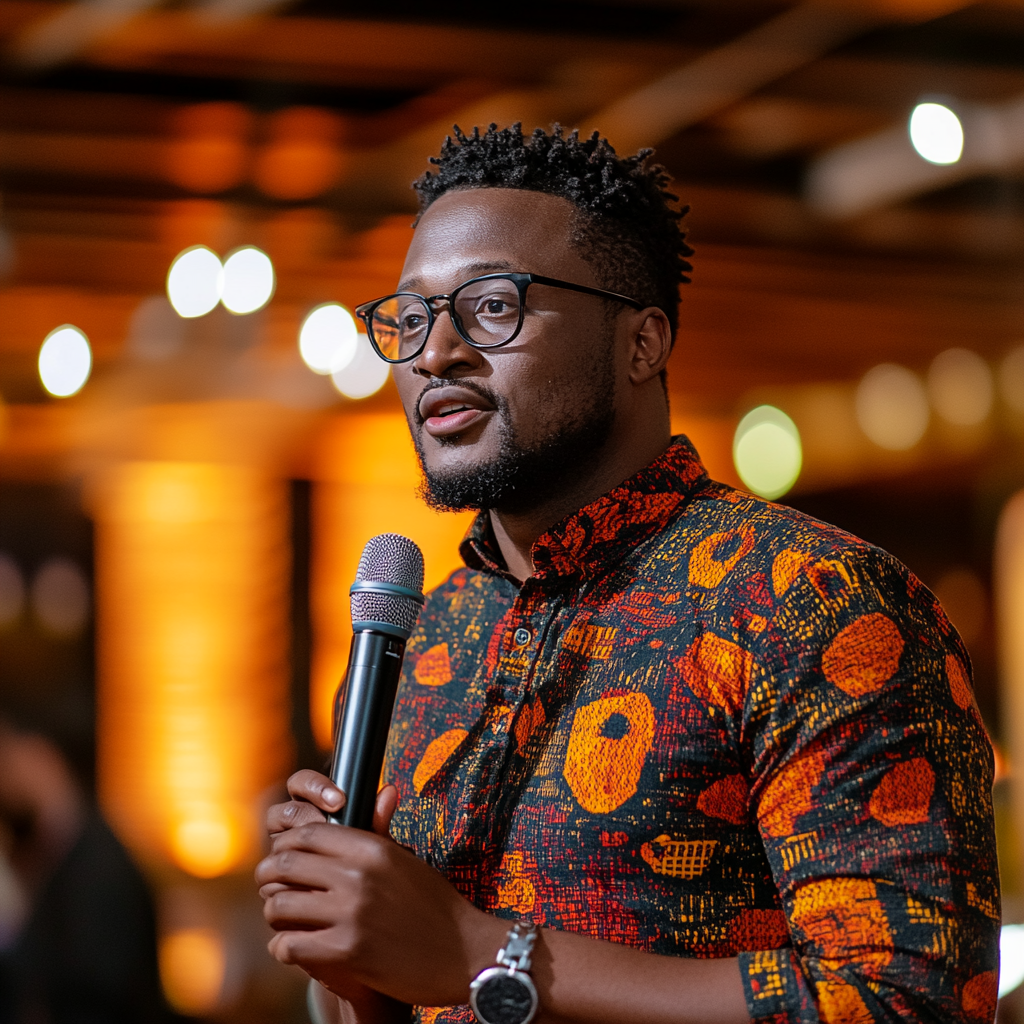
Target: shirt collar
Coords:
[[601, 532]]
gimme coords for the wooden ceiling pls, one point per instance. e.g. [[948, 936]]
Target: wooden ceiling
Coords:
[[131, 129]]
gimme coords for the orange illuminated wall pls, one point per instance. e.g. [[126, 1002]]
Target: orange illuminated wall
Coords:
[[192, 580], [367, 478], [1009, 593]]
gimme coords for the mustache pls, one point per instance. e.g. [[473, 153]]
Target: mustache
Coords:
[[444, 382]]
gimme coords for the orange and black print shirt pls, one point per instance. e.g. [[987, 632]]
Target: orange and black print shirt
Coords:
[[711, 726]]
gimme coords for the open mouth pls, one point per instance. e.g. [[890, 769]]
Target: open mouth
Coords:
[[447, 411]]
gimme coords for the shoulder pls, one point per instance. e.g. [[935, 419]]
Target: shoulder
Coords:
[[807, 578], [732, 534]]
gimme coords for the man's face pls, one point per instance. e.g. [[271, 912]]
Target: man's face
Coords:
[[508, 427]]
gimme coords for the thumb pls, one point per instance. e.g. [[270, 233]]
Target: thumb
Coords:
[[387, 803]]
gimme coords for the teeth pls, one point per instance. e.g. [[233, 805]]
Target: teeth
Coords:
[[447, 410]]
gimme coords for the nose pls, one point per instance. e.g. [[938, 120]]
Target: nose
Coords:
[[446, 354]]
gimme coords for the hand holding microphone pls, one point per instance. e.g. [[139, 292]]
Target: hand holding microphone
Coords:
[[386, 599]]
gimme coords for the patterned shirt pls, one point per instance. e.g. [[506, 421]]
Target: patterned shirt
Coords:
[[710, 726]]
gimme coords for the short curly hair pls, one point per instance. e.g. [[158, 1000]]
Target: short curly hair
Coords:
[[630, 228]]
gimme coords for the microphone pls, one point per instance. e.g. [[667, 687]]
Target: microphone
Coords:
[[386, 600]]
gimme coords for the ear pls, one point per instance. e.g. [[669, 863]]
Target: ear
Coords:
[[651, 344]]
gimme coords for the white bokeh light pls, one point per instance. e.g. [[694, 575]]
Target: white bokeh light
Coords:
[[892, 407], [327, 338], [767, 451], [960, 387], [936, 133], [1011, 958], [248, 280], [363, 375], [65, 361], [195, 281]]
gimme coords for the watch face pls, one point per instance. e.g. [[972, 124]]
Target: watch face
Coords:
[[498, 997]]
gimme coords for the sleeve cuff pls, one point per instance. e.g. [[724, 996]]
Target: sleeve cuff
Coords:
[[774, 985]]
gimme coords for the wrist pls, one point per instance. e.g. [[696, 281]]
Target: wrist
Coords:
[[486, 935], [505, 993]]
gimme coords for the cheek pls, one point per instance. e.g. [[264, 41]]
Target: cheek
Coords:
[[560, 381]]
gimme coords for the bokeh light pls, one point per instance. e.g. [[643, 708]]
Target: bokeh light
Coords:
[[327, 338], [767, 451], [960, 387], [892, 407], [206, 843], [248, 280], [65, 361], [1011, 958], [936, 133], [209, 150], [60, 597], [364, 374], [1011, 379], [195, 281], [155, 331], [12, 590], [192, 963], [303, 156]]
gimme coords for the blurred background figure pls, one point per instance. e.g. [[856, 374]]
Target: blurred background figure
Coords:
[[77, 926]]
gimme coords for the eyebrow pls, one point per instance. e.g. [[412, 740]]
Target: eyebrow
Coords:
[[471, 270]]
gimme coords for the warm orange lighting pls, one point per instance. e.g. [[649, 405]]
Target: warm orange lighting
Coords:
[[1009, 595], [210, 152], [192, 965], [367, 478], [192, 574], [303, 158]]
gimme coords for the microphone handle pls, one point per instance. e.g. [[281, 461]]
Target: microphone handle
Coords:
[[363, 707]]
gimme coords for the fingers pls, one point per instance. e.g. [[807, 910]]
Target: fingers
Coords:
[[293, 910], [316, 789], [295, 869], [293, 814], [384, 809]]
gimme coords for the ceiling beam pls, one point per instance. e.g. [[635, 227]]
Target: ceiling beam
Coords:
[[717, 79], [62, 35]]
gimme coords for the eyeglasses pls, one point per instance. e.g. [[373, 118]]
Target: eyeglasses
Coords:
[[486, 311]]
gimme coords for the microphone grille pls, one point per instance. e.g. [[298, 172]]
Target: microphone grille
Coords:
[[392, 559]]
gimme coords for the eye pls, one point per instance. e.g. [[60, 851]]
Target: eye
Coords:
[[494, 305], [412, 321]]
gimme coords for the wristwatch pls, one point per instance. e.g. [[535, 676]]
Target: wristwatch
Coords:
[[505, 994]]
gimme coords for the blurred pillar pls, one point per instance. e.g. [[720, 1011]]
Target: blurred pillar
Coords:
[[1009, 590], [367, 477], [192, 588]]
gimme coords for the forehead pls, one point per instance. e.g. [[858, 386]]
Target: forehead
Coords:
[[482, 230]]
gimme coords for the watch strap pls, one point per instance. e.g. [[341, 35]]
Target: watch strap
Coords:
[[517, 952], [505, 993]]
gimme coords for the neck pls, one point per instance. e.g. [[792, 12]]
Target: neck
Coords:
[[622, 456]]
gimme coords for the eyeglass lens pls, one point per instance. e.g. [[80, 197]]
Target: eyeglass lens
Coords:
[[486, 310]]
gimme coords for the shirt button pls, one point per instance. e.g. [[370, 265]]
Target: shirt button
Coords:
[[523, 637]]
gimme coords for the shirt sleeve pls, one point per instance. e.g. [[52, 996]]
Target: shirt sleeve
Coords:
[[871, 781]]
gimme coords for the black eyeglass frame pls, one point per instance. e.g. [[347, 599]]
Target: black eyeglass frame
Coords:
[[366, 310]]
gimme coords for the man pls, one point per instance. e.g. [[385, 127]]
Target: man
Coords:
[[725, 758]]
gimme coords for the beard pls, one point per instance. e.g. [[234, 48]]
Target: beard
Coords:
[[521, 476]]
